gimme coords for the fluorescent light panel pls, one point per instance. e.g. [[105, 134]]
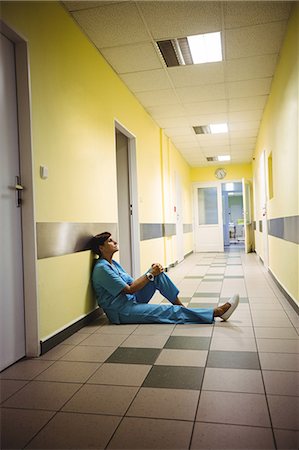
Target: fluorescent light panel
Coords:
[[205, 48], [224, 158], [197, 49], [218, 128]]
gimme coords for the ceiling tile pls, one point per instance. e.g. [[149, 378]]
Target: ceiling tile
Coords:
[[77, 5], [172, 122], [207, 140], [240, 126], [207, 119], [179, 131], [242, 116], [164, 111], [197, 75], [170, 19], [250, 68], [255, 40], [236, 140], [132, 58], [202, 93], [159, 97], [202, 108], [188, 141], [147, 80], [243, 133], [247, 88], [216, 150], [244, 13], [113, 24], [247, 103]]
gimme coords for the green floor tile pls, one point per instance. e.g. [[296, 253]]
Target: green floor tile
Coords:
[[134, 355], [188, 342], [174, 377]]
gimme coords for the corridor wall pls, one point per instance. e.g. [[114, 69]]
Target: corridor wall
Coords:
[[278, 139], [75, 99]]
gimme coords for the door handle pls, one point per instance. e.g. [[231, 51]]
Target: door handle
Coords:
[[19, 188]]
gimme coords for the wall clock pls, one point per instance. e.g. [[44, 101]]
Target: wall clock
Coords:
[[220, 173]]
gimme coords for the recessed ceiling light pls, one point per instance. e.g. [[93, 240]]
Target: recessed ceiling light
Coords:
[[197, 49], [205, 48], [215, 128], [218, 128], [224, 158]]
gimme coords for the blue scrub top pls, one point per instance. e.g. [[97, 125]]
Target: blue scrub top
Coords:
[[108, 282]]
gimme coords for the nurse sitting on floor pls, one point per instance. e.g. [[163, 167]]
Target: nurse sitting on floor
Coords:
[[127, 301]]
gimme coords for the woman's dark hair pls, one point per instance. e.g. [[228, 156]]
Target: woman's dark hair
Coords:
[[98, 240]]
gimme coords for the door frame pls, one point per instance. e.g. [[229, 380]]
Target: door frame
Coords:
[[27, 211], [133, 192], [264, 207], [206, 184]]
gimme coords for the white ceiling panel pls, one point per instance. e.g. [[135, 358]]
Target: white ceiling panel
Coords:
[[240, 126], [244, 116], [77, 5], [164, 111], [256, 40], [243, 133], [250, 68], [202, 93], [242, 13], [203, 108], [207, 119], [172, 122], [169, 19], [113, 25], [197, 75], [208, 140], [147, 80], [179, 131], [131, 58], [216, 150], [237, 141], [247, 103], [233, 91], [158, 97], [247, 88]]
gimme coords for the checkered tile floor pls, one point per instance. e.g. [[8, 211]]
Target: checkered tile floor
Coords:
[[230, 385]]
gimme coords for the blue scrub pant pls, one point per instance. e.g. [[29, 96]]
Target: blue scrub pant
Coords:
[[139, 311]]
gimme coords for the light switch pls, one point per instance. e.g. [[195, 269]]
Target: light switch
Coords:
[[44, 172]]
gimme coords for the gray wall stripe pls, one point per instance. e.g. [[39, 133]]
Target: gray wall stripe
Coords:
[[286, 228], [159, 230], [62, 238]]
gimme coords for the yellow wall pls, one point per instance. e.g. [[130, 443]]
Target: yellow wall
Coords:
[[233, 172], [279, 135], [76, 97]]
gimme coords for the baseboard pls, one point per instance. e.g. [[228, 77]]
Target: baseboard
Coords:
[[46, 345], [284, 292]]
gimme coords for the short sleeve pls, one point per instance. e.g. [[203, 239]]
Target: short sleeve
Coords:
[[104, 276]]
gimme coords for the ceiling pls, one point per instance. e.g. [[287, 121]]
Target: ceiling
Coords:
[[233, 91]]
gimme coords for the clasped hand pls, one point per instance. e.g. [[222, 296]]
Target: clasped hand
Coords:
[[157, 269]]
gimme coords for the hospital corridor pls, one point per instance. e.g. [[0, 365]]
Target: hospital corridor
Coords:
[[230, 385], [162, 134]]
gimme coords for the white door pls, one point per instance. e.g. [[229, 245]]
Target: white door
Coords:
[[179, 220], [208, 223], [246, 188], [12, 328]]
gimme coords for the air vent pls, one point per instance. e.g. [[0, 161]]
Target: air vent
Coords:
[[212, 158], [202, 129]]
